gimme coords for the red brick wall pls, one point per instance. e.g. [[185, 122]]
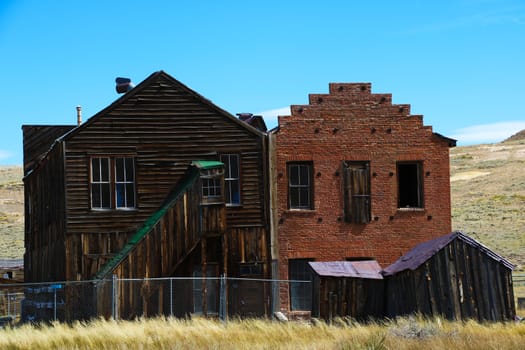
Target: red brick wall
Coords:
[[351, 123]]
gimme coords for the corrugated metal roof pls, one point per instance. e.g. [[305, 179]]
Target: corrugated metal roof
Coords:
[[356, 269], [424, 251]]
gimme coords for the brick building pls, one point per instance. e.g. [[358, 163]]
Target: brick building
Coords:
[[355, 177]]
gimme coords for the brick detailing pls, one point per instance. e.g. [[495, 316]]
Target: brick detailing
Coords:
[[351, 123]]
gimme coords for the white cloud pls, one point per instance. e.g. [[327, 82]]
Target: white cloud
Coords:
[[5, 154], [487, 133], [270, 116]]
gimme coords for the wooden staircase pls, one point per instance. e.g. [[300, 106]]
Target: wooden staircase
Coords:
[[160, 246]]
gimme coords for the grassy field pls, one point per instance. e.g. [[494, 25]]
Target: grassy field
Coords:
[[403, 333]]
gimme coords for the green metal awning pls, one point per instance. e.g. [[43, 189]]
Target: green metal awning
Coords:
[[207, 164]]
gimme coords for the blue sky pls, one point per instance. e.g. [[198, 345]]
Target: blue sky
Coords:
[[459, 63]]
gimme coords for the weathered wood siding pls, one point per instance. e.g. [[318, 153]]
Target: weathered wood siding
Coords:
[[164, 126], [458, 282], [44, 221], [38, 140], [355, 297]]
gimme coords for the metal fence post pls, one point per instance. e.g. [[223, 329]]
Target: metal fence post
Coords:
[[55, 304], [171, 296], [8, 304], [114, 297], [222, 298]]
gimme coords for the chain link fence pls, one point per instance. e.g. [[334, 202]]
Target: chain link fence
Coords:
[[216, 297]]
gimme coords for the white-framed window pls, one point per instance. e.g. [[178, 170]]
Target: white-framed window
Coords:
[[112, 183], [300, 185], [211, 185], [232, 189]]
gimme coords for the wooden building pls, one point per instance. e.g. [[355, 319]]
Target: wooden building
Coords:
[[453, 276], [347, 288], [91, 188]]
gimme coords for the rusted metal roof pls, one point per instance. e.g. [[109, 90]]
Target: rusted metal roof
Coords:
[[357, 269], [424, 251]]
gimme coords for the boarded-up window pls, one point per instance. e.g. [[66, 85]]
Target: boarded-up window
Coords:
[[300, 189], [357, 206], [410, 185], [231, 179], [300, 292]]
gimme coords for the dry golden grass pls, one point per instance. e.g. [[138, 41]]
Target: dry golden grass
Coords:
[[403, 333]]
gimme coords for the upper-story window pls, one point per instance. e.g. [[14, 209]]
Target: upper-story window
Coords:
[[300, 185], [356, 176], [410, 184], [113, 183], [231, 179], [211, 180]]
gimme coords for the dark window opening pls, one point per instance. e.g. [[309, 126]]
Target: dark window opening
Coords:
[[410, 185], [300, 189], [300, 292], [357, 206]]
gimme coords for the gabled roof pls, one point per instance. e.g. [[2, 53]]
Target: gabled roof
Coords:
[[357, 269], [145, 83], [68, 134], [426, 250]]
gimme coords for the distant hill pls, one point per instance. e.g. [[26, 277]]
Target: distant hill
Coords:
[[519, 136]]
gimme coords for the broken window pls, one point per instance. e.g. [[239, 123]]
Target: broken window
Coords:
[[212, 182], [300, 189], [410, 185], [356, 178], [231, 179], [300, 292], [112, 183]]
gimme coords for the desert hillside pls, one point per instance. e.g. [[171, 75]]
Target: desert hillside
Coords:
[[488, 196], [11, 213], [488, 199]]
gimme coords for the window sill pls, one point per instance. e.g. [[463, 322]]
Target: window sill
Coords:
[[206, 204], [114, 210], [233, 206], [410, 210], [301, 211]]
